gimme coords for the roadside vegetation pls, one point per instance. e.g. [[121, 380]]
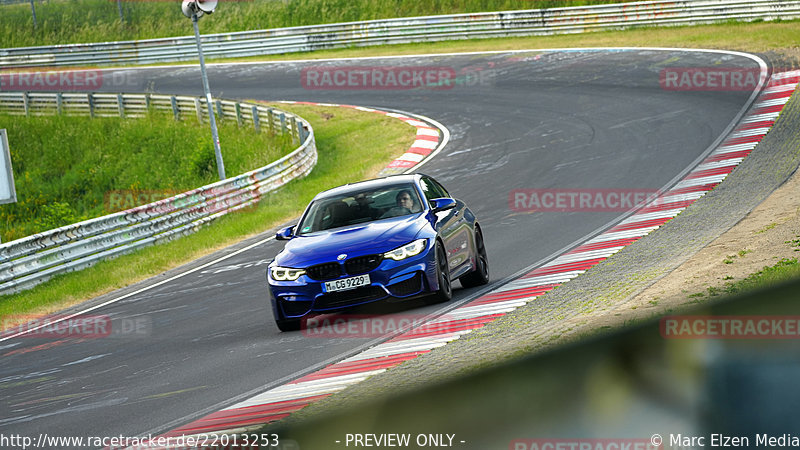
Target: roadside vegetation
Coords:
[[68, 169], [359, 141], [80, 21], [784, 270]]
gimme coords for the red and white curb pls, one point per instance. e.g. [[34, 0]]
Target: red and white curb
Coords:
[[279, 402]]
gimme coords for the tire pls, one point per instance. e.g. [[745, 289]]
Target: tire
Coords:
[[445, 292], [480, 275]]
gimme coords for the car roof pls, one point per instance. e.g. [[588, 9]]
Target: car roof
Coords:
[[369, 184]]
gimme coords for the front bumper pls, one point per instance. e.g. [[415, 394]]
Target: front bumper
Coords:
[[391, 280]]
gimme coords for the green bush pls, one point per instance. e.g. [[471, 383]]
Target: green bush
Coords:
[[54, 215]]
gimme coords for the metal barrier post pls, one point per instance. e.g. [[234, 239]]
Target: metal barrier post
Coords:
[[198, 109], [237, 107], [121, 106], [271, 120], [175, 112], [90, 101], [296, 131], [256, 123]]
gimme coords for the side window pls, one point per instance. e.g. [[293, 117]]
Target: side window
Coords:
[[442, 191], [432, 189], [428, 188]]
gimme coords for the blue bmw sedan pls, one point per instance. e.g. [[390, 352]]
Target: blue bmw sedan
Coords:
[[395, 238]]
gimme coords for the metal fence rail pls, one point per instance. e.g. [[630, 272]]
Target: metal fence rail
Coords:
[[34, 259], [137, 105], [396, 31]]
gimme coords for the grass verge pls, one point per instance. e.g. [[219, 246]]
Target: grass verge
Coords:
[[362, 142]]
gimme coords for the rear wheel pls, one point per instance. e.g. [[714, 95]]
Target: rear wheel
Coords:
[[480, 275], [445, 292]]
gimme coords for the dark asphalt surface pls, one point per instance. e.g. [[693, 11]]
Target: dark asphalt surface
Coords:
[[560, 120]]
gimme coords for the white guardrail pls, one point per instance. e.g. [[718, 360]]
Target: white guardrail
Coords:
[[34, 259], [396, 31]]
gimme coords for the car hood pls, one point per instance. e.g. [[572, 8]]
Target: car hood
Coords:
[[363, 239]]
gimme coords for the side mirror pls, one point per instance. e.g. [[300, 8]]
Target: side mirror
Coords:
[[442, 204], [285, 234]]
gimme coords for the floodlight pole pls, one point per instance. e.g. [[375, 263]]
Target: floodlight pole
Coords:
[[214, 135]]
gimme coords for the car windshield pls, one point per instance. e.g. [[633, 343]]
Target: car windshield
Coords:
[[360, 206]]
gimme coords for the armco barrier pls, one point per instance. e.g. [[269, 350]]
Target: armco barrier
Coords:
[[136, 105], [34, 259], [397, 31]]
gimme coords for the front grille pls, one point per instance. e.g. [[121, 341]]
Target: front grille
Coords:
[[351, 297], [295, 308], [362, 264], [407, 287], [326, 271], [353, 266]]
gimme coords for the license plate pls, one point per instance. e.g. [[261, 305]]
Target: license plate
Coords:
[[346, 283]]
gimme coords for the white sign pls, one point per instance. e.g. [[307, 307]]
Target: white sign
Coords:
[[7, 192]]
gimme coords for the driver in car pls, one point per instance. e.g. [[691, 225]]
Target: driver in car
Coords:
[[405, 205]]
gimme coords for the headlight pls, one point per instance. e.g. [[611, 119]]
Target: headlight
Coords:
[[285, 273], [405, 251]]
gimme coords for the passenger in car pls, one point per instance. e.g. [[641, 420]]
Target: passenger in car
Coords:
[[361, 210]]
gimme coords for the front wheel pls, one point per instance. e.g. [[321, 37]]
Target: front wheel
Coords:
[[445, 292], [480, 275]]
